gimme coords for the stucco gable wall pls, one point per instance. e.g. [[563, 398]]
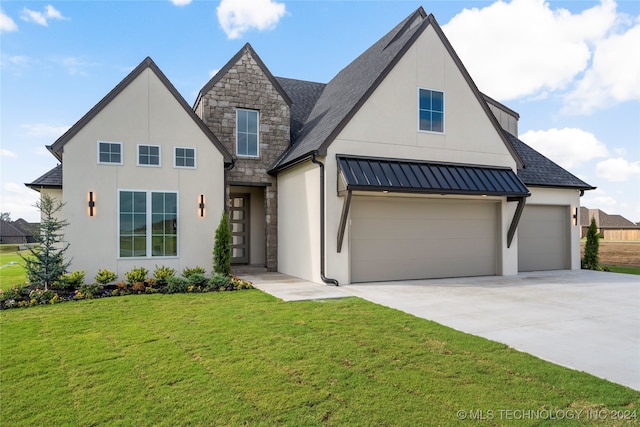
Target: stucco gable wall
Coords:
[[387, 125], [145, 112]]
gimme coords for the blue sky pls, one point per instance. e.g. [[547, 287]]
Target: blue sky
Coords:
[[571, 69]]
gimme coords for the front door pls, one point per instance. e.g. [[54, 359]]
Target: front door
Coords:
[[239, 225]]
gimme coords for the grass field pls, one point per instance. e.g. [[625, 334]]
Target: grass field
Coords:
[[11, 270], [246, 358]]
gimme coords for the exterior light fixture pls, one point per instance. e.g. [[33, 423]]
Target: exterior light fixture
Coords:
[[575, 216], [92, 204], [201, 205]]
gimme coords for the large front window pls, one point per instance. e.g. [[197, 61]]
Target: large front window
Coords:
[[431, 110], [148, 224], [247, 133]]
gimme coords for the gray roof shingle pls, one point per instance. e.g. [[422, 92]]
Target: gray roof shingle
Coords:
[[351, 87], [51, 179], [304, 95], [540, 171]]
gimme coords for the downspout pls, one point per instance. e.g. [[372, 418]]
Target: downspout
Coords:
[[322, 220], [227, 168]]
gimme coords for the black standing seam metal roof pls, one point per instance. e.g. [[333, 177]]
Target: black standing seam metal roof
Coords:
[[410, 176]]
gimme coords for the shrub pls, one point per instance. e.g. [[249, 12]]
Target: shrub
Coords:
[[105, 276], [218, 281], [15, 293], [160, 274], [71, 281], [239, 283], [177, 284], [39, 296], [137, 274], [197, 282], [138, 287], [590, 259], [187, 272], [92, 290], [222, 247]]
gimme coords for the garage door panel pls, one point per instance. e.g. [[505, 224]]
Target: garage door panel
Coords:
[[543, 241], [400, 239]]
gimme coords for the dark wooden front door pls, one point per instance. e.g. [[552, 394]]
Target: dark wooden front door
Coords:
[[239, 225]]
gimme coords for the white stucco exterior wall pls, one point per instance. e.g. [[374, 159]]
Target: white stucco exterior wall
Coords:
[[387, 126], [299, 222], [145, 112]]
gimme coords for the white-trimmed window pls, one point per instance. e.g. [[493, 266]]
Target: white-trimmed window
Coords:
[[431, 110], [110, 152], [148, 155], [247, 138], [184, 157], [148, 224]]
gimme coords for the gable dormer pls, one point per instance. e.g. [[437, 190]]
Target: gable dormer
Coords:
[[245, 106]]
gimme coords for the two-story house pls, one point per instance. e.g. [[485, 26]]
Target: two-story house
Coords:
[[397, 168]]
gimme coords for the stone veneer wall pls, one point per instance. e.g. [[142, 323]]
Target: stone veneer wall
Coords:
[[246, 85]]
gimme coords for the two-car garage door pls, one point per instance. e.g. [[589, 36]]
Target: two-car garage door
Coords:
[[395, 238]]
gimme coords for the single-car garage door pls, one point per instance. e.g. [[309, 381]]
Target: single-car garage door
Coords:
[[415, 238], [543, 238]]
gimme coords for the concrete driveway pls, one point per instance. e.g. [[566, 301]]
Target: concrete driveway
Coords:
[[584, 320]]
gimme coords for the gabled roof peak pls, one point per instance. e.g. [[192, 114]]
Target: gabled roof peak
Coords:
[[57, 147]]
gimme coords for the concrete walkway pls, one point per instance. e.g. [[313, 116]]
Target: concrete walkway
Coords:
[[584, 320]]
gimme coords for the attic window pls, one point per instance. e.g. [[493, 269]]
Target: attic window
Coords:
[[110, 152], [148, 155], [431, 110]]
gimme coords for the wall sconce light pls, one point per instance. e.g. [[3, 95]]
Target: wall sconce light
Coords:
[[575, 217], [201, 205], [92, 204]]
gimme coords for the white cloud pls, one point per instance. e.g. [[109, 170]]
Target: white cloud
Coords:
[[19, 200], [613, 77], [7, 153], [617, 170], [180, 2], [525, 47], [41, 18], [238, 16], [569, 147], [599, 199], [6, 23], [44, 130], [214, 72]]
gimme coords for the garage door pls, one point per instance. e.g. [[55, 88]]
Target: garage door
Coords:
[[400, 239], [543, 238]]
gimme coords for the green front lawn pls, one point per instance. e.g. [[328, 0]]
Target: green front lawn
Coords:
[[11, 271], [623, 269], [246, 358]]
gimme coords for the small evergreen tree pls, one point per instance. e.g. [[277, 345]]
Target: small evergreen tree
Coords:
[[590, 260], [45, 263], [222, 247]]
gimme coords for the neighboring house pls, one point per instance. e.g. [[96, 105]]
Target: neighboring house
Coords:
[[10, 234], [31, 230], [398, 168], [610, 227]]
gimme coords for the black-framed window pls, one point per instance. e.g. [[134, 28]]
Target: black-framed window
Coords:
[[431, 110]]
